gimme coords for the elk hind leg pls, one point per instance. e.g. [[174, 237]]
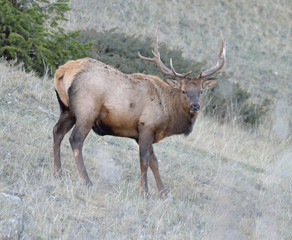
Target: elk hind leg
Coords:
[[64, 124], [79, 133]]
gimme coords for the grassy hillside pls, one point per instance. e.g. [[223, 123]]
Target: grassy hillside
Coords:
[[257, 33], [225, 183]]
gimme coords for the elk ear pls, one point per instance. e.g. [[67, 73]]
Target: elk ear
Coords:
[[209, 83], [173, 83]]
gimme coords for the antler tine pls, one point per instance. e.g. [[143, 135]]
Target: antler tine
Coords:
[[178, 74], [153, 52], [162, 68], [217, 66], [145, 58], [156, 40]]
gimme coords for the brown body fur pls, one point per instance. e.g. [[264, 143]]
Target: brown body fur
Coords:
[[96, 96], [121, 102]]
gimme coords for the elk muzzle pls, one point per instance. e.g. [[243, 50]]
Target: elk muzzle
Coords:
[[194, 107]]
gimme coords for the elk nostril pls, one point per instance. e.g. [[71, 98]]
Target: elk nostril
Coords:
[[195, 107]]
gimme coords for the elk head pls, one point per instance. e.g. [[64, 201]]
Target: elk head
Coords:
[[190, 88]]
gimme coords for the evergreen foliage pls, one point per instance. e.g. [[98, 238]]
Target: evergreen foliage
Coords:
[[224, 102], [30, 33]]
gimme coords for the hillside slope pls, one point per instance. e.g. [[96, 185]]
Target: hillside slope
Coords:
[[225, 183], [257, 33]]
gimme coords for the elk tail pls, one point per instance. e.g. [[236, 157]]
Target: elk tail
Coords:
[[63, 107], [60, 88]]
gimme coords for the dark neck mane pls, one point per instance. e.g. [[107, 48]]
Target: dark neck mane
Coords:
[[181, 122]]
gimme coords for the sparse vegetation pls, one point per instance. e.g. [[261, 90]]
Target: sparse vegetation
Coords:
[[221, 184], [227, 101], [225, 182]]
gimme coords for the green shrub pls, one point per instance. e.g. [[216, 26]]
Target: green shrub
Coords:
[[225, 102], [120, 51], [228, 101], [30, 33]]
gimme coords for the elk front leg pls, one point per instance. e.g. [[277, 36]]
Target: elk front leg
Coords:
[[145, 144], [154, 167], [65, 123], [76, 140]]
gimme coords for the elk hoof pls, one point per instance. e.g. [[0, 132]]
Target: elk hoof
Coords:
[[88, 183], [145, 195], [58, 173], [164, 194]]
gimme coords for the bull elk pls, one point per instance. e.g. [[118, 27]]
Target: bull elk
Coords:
[[93, 95]]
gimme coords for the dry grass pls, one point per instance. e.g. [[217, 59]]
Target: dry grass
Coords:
[[225, 182]]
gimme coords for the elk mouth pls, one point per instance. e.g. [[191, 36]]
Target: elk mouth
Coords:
[[194, 112]]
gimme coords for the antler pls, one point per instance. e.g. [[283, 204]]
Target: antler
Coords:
[[217, 66], [162, 68]]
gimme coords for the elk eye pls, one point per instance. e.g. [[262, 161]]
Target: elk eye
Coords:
[[184, 92], [202, 91]]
